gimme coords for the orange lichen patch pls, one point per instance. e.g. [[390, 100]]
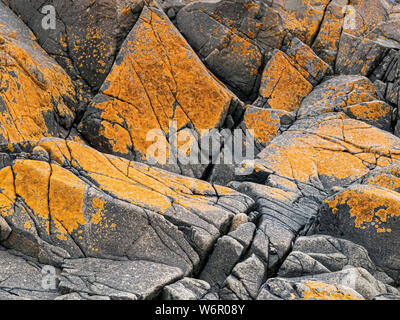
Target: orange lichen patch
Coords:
[[389, 179], [282, 84], [66, 195], [52, 193], [369, 206], [98, 206], [373, 110], [264, 123], [324, 291], [31, 184], [59, 150], [138, 184], [335, 148], [302, 18], [159, 80], [7, 192], [327, 41], [34, 87]]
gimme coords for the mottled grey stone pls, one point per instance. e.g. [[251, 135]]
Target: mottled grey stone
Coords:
[[186, 289], [132, 280]]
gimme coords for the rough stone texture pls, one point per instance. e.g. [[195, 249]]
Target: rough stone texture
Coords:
[[186, 289], [305, 289], [88, 204], [354, 279], [301, 168], [283, 86], [119, 119], [302, 18], [302, 97], [306, 61], [366, 213], [354, 95], [265, 124], [37, 97], [245, 280], [21, 279], [232, 37], [127, 280], [88, 33], [323, 254], [226, 254]]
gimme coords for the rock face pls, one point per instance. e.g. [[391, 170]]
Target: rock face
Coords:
[[37, 97], [232, 37], [118, 120], [111, 186], [87, 34]]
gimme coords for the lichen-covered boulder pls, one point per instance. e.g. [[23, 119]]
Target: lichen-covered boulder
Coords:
[[283, 86], [300, 168], [157, 81], [63, 200], [302, 18], [353, 95], [37, 97], [232, 37], [368, 214], [287, 289], [87, 34]]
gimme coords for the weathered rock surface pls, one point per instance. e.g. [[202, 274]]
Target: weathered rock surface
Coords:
[[101, 197], [305, 289], [87, 34], [348, 284], [366, 213], [186, 289], [323, 254], [353, 95], [133, 102], [84, 204], [22, 279], [127, 280], [232, 38], [37, 97]]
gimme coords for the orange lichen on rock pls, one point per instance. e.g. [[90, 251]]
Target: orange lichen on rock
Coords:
[[87, 203], [52, 193], [138, 184], [157, 79], [265, 123], [324, 291], [372, 110], [368, 206], [282, 84], [327, 41], [337, 148], [304, 59], [34, 90], [302, 18]]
